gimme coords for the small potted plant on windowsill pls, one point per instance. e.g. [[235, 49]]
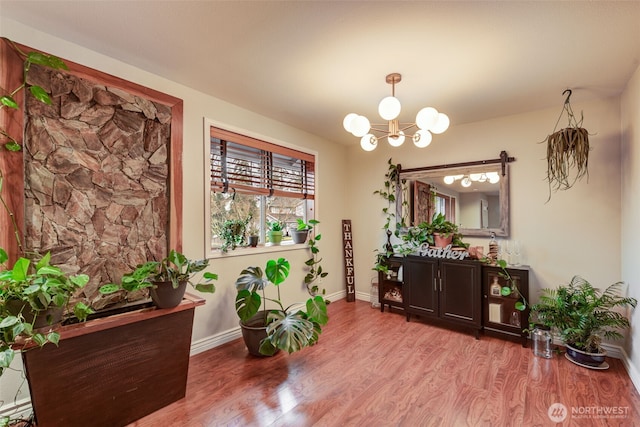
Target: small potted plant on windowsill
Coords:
[[167, 279], [233, 233], [254, 237], [300, 232], [275, 232]]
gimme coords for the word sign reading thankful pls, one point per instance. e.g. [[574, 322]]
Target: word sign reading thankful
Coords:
[[445, 252], [348, 260]]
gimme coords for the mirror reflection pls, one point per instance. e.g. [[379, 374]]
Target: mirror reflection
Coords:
[[473, 197]]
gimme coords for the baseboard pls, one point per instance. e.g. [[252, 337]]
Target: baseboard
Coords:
[[634, 374], [224, 337], [214, 341], [18, 409]]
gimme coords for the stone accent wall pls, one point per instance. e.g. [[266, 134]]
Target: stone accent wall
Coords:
[[96, 178]]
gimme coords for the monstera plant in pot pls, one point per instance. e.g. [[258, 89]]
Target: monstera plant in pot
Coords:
[[268, 330], [582, 316], [167, 279]]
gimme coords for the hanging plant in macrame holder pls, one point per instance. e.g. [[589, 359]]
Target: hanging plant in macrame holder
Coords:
[[567, 151]]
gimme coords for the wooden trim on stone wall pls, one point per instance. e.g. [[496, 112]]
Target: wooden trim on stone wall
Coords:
[[11, 163], [11, 77]]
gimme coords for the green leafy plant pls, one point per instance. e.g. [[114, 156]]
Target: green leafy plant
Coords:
[[288, 329], [391, 185], [275, 225], [315, 268], [174, 268], [305, 226], [8, 99], [233, 233], [511, 287], [29, 290], [582, 314]]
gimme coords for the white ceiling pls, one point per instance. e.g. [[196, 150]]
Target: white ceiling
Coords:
[[309, 63]]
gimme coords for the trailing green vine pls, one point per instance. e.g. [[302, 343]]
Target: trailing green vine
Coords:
[[512, 287], [315, 268], [392, 183]]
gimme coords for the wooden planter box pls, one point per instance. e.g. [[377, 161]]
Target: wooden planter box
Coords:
[[112, 371]]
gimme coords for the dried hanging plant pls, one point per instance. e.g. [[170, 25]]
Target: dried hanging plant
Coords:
[[567, 151]]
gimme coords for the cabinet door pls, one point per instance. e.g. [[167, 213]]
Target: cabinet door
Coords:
[[460, 295], [421, 296]]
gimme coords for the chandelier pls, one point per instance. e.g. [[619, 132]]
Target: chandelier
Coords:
[[428, 121]]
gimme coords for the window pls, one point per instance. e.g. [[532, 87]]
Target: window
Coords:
[[263, 181], [445, 205]]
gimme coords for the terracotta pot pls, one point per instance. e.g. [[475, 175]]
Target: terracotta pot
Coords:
[[164, 295], [441, 241]]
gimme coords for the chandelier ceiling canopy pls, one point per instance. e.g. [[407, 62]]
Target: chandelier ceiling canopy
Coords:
[[428, 121]]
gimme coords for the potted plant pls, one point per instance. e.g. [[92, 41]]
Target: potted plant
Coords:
[[167, 279], [274, 232], [254, 237], [233, 232], [33, 298], [441, 232], [582, 316], [567, 150], [300, 232], [278, 328]]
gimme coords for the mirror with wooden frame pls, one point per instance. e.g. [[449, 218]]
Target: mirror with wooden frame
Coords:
[[473, 195]]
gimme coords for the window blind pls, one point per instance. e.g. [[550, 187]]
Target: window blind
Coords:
[[252, 166]]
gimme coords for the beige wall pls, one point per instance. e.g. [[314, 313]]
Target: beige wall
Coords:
[[576, 232], [218, 315], [630, 226], [560, 238]]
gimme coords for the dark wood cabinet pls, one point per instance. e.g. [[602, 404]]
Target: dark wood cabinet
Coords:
[[390, 285], [447, 291], [500, 316]]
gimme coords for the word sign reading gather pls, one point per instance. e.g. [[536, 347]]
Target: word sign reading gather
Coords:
[[349, 273], [446, 252]]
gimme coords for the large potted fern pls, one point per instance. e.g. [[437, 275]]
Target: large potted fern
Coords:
[[583, 316]]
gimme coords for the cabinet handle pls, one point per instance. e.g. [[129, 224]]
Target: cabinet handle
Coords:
[[435, 286], [441, 284]]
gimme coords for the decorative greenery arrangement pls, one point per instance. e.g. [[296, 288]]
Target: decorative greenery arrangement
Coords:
[[567, 149], [288, 329], [391, 184], [174, 268], [582, 314]]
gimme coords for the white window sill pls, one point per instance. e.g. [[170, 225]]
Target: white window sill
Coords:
[[260, 249]]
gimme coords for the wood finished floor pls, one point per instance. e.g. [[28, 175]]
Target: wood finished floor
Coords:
[[375, 369]]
